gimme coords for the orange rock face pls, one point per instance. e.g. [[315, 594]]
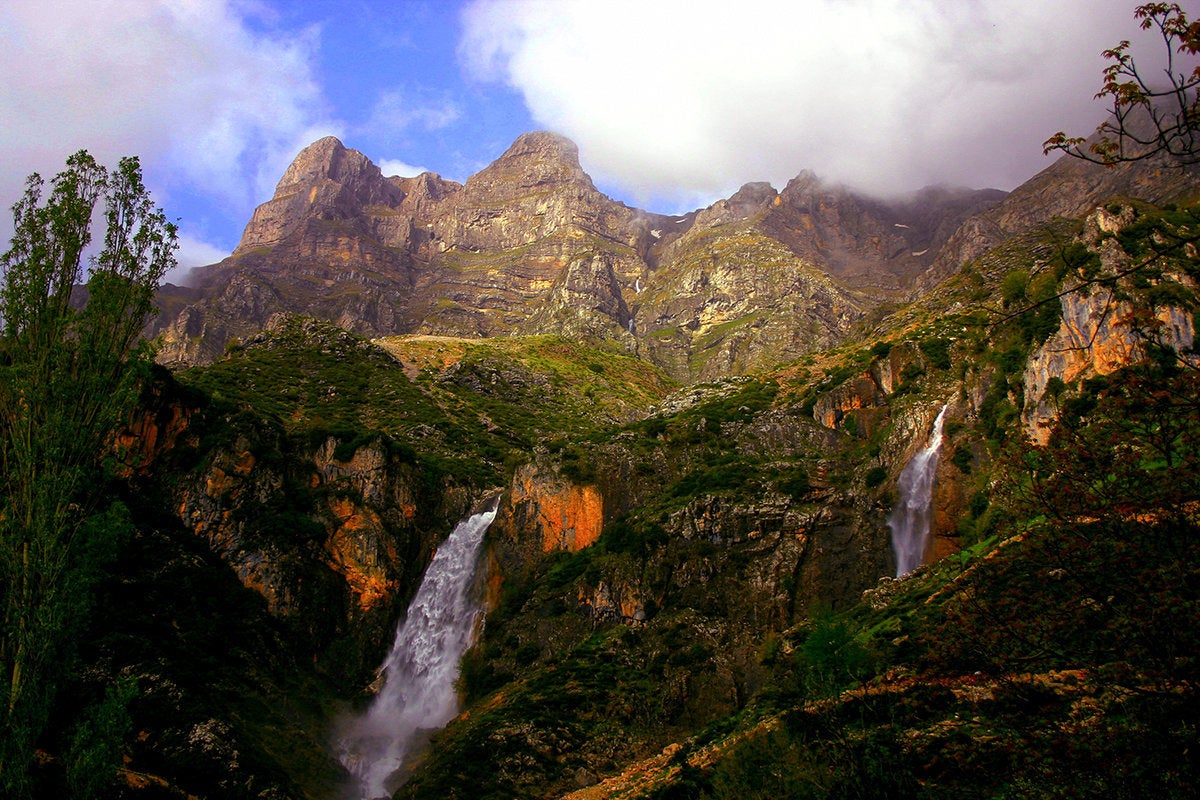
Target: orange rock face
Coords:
[[360, 554], [571, 520], [148, 434], [569, 517], [1095, 337]]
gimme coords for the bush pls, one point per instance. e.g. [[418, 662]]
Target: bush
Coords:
[[624, 535], [875, 476], [725, 475], [937, 350], [795, 483], [830, 657], [1012, 288]]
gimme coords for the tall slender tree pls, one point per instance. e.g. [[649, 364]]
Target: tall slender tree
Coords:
[[71, 359]]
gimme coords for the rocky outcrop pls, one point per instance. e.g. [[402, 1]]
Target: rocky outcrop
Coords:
[[779, 553], [1069, 189], [859, 405], [866, 242], [326, 182], [733, 301], [159, 426], [861, 393], [1099, 331], [1095, 337], [334, 538], [551, 511], [584, 302]]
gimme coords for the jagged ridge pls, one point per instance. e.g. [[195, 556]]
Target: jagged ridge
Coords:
[[529, 245]]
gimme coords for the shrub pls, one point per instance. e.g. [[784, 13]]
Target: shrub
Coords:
[[830, 657], [875, 476], [962, 459], [937, 350], [795, 483], [1012, 288]]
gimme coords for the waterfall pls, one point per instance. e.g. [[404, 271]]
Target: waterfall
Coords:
[[910, 518], [418, 695]]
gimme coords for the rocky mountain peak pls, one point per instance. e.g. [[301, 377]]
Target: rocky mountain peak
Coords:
[[751, 199], [530, 245], [427, 185], [535, 159], [754, 194], [325, 180], [324, 159], [805, 182]]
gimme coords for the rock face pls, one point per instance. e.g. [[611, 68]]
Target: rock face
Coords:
[[333, 538], [772, 554], [1097, 333], [563, 515], [868, 243], [529, 245], [704, 528]]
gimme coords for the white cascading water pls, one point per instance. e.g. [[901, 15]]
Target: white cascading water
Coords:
[[910, 518], [418, 695]]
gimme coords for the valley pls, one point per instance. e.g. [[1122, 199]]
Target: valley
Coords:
[[696, 427]]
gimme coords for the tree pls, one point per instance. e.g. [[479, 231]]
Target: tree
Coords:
[[1147, 117], [71, 361]]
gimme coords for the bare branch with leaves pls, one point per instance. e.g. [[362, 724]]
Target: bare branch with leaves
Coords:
[[1148, 117]]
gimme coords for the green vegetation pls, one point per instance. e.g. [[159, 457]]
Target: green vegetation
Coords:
[[1010, 669], [732, 605], [1033, 672], [68, 377], [473, 408]]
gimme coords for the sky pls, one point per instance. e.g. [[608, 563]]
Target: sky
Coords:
[[673, 103]]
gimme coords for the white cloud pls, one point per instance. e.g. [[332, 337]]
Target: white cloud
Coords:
[[392, 166], [678, 99], [193, 253], [188, 85], [395, 111]]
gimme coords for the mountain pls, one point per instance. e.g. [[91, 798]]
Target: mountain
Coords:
[[1067, 189], [699, 428], [529, 245]]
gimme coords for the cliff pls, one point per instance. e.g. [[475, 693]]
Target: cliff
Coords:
[[332, 533]]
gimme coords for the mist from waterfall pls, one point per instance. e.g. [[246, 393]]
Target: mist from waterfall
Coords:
[[910, 518], [418, 695]]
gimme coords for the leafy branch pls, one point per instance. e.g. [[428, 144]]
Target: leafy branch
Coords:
[[1147, 118]]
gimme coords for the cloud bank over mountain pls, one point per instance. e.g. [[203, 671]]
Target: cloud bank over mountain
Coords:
[[673, 104], [679, 99]]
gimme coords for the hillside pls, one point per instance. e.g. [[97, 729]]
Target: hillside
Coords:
[[697, 427]]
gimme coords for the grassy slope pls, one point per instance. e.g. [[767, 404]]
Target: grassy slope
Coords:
[[465, 407]]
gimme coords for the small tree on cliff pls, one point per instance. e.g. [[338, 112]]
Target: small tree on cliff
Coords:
[[69, 369], [1147, 117]]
